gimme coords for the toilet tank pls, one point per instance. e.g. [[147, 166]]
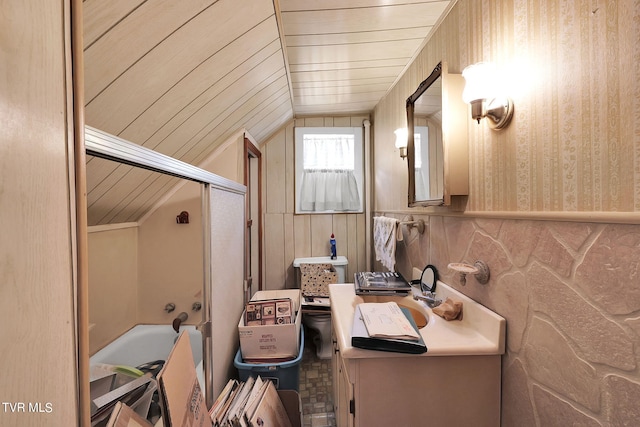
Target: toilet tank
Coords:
[[340, 264]]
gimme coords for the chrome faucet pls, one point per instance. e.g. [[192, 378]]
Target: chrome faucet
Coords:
[[429, 298], [182, 317]]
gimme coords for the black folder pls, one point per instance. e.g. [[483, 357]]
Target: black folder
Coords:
[[360, 337]]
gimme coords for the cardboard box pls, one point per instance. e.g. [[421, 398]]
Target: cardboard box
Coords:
[[181, 399], [272, 341], [292, 404]]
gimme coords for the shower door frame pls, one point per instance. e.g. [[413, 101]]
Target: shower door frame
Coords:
[[103, 145]]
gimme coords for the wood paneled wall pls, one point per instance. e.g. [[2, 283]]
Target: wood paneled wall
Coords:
[[37, 217], [288, 236]]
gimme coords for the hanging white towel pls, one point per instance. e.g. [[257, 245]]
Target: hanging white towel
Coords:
[[385, 234]]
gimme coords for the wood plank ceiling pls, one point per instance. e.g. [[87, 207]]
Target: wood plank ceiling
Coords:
[[181, 77]]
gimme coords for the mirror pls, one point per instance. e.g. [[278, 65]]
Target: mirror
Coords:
[[425, 151], [428, 279]]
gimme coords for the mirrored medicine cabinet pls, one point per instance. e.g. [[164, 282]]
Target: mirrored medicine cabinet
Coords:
[[437, 147]]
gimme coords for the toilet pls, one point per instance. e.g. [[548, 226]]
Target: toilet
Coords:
[[316, 311]]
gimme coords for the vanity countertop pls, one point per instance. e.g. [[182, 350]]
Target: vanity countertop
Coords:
[[480, 332]]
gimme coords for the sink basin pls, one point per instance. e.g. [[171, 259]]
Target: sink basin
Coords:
[[479, 332]]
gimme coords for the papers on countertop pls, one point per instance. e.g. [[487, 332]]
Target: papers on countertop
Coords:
[[386, 320], [360, 337]]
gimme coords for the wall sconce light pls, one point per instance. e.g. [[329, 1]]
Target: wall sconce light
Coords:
[[482, 92], [402, 135]]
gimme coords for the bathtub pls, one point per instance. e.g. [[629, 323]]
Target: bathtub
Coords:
[[147, 343]]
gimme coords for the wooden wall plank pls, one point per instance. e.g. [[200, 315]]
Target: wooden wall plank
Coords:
[[313, 122], [321, 229], [275, 158], [99, 16], [190, 94], [297, 5], [219, 114], [353, 244], [354, 53], [342, 234], [274, 244], [289, 168], [38, 252], [357, 37], [115, 47], [278, 122], [134, 91], [345, 65], [361, 259], [289, 251], [344, 121], [302, 242], [342, 20]]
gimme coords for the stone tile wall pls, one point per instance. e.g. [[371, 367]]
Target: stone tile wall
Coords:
[[571, 295]]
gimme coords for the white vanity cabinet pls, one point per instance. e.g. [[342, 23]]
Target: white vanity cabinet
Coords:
[[342, 390], [457, 382]]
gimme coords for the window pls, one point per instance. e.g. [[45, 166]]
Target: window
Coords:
[[421, 157], [329, 171]]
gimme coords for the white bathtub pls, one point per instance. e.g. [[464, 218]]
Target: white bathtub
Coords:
[[147, 343]]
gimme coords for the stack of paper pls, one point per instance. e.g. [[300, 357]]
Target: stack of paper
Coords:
[[254, 403], [386, 327], [109, 394], [381, 283], [386, 320]]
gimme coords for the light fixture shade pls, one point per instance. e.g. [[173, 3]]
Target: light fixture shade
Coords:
[[483, 91], [402, 135], [480, 82]]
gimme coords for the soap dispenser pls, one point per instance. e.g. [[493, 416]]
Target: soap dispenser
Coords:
[[332, 241]]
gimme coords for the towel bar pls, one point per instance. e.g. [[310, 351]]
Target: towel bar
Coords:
[[419, 224]]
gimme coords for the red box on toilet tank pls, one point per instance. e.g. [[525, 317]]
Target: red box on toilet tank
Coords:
[[271, 342]]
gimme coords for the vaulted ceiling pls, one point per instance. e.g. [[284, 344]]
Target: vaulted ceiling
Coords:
[[181, 77]]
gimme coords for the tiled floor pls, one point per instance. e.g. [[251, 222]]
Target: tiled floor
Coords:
[[316, 390]]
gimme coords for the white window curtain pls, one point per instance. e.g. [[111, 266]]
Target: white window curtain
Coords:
[[328, 179], [325, 189]]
